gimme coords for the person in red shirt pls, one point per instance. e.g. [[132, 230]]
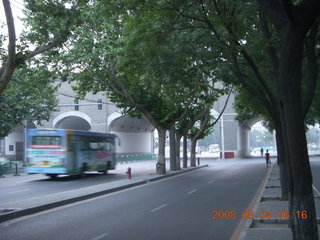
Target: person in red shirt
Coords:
[[267, 158]]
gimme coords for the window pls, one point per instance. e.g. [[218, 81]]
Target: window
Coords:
[[94, 144], [76, 105], [84, 144], [46, 140]]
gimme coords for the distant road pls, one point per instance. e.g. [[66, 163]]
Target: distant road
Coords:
[[315, 167], [175, 208]]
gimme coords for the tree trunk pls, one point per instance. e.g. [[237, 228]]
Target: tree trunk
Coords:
[[193, 153], [292, 121], [161, 164], [178, 139], [281, 160], [301, 196], [172, 139], [185, 151]]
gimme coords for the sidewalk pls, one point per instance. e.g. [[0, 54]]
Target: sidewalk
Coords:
[[272, 226], [142, 174]]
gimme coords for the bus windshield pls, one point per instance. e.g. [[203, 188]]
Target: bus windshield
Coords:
[[47, 140]]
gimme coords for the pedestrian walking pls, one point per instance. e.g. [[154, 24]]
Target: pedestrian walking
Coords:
[[267, 155], [261, 151]]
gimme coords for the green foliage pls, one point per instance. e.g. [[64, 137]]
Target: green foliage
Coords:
[[248, 108], [29, 96], [135, 55], [48, 20]]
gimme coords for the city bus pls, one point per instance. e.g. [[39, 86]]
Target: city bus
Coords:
[[69, 152]]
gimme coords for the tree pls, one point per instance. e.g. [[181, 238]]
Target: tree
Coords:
[[284, 34], [197, 111], [140, 67], [29, 96], [203, 127], [49, 25], [185, 125]]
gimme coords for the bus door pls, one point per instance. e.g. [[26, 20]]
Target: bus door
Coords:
[[73, 152]]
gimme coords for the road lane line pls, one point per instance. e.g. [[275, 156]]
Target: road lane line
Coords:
[[192, 191], [212, 181], [158, 208], [23, 181], [23, 190], [100, 236]]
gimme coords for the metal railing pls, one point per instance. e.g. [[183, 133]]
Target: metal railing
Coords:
[[138, 157], [6, 167]]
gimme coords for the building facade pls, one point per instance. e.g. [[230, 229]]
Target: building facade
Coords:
[[135, 136]]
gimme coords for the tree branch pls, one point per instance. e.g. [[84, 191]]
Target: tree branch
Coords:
[[123, 91], [223, 109], [186, 109], [271, 51], [44, 48], [251, 89], [244, 53], [203, 128], [7, 68]]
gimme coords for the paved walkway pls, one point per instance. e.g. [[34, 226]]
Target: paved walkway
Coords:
[[271, 226]]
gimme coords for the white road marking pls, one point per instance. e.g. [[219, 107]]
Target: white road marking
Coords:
[[212, 181], [22, 181], [100, 236], [22, 190], [158, 208], [192, 191]]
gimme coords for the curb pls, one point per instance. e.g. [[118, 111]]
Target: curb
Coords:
[[15, 213]]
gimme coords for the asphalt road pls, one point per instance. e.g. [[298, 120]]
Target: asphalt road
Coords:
[[175, 208], [315, 168]]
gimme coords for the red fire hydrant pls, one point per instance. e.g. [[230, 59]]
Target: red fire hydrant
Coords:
[[129, 173]]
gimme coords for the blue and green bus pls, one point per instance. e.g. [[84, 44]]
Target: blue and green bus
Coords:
[[69, 152]]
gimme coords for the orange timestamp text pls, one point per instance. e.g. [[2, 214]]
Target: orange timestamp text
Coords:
[[250, 214]]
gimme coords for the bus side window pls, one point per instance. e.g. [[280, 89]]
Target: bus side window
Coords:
[[108, 146], [84, 144], [71, 143], [103, 146]]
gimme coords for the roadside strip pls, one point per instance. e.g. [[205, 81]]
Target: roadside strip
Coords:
[[59, 199], [244, 224]]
